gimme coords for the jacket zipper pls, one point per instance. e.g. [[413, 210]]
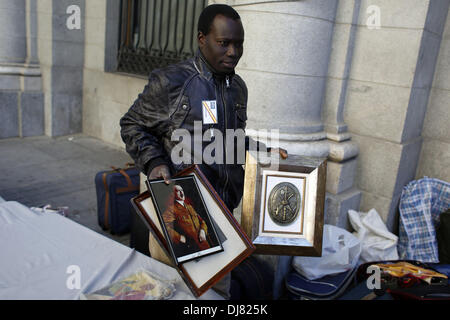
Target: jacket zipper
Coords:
[[227, 81]]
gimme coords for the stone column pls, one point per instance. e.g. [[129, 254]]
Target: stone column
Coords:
[[21, 96], [296, 63], [285, 65], [342, 158], [67, 66]]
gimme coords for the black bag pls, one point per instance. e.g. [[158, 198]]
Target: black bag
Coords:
[[252, 279], [114, 191], [443, 237], [139, 234], [360, 291], [329, 287]]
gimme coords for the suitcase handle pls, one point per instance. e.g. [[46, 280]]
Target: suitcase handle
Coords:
[[128, 165], [130, 186]]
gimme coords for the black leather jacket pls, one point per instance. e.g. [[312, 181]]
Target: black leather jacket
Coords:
[[173, 99]]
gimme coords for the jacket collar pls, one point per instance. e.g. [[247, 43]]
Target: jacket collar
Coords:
[[206, 70]]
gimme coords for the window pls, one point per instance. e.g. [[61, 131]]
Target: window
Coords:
[[156, 33]]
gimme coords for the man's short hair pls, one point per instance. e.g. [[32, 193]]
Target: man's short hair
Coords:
[[210, 12]]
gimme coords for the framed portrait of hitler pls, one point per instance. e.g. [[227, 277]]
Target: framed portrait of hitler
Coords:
[[218, 245], [188, 228], [283, 204]]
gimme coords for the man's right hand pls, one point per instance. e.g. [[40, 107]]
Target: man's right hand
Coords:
[[182, 239], [161, 171]]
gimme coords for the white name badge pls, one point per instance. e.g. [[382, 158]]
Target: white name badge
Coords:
[[209, 112]]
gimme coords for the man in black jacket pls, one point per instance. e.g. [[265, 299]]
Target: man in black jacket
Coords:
[[175, 97], [203, 92]]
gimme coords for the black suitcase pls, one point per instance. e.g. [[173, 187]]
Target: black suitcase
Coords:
[[443, 237], [115, 188], [329, 287]]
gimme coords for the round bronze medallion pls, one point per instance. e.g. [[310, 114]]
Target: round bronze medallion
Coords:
[[284, 203]]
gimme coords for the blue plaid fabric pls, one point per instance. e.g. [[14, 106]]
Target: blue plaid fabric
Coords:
[[421, 204]]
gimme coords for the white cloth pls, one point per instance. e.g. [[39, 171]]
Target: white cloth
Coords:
[[38, 250], [377, 242]]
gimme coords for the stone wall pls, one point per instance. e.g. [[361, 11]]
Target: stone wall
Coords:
[[296, 65], [106, 96], [61, 52], [21, 96], [369, 88], [435, 155], [44, 36], [390, 80]]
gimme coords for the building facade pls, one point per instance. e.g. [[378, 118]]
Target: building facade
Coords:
[[364, 83]]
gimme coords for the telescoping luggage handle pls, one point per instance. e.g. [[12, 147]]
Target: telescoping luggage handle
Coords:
[[129, 188]]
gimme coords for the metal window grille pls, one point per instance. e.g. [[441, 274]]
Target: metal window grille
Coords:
[[156, 33]]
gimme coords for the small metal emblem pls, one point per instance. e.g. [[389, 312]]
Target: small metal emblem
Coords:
[[284, 203]]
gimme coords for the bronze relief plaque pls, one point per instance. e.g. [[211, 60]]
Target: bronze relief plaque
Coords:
[[284, 203]]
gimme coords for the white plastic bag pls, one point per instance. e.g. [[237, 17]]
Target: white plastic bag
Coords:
[[340, 253], [376, 241]]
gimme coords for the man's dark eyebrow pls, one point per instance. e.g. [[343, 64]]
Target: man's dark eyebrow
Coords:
[[228, 39]]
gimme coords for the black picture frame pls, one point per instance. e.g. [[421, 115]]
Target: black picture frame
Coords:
[[184, 218]]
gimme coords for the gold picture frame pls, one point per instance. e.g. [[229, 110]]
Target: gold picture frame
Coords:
[[283, 204]]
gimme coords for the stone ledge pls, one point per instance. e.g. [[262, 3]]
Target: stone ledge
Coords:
[[341, 176], [311, 145], [20, 69], [337, 206], [342, 151]]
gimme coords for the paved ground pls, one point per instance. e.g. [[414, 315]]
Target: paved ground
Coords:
[[58, 171]]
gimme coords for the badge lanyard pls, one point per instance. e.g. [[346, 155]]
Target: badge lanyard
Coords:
[[209, 111]]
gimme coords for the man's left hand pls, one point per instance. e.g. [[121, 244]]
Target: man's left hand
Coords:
[[282, 152]]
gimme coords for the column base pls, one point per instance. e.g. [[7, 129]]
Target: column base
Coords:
[[21, 101], [337, 206], [341, 154]]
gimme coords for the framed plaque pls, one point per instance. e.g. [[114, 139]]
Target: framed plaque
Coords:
[[204, 271], [283, 205]]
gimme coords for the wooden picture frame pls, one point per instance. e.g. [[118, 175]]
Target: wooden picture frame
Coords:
[[283, 204], [201, 274]]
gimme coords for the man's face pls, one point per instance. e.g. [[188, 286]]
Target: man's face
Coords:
[[179, 194], [223, 45]]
